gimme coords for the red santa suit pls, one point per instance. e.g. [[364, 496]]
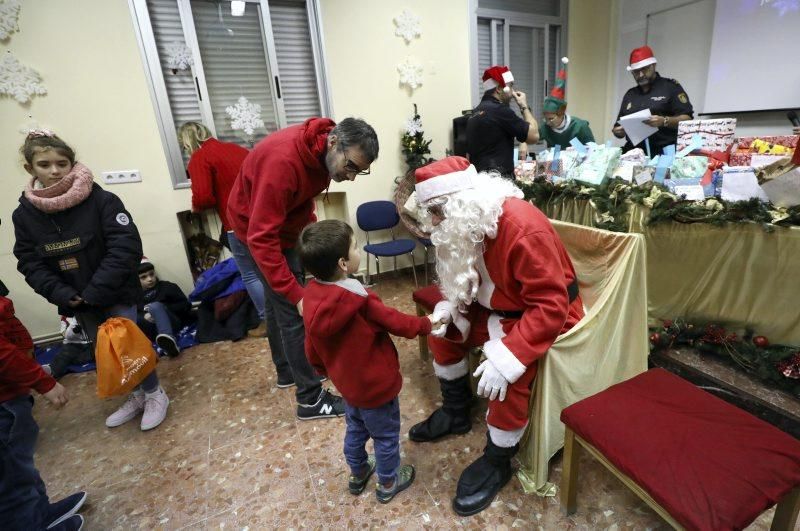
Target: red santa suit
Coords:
[[523, 304]]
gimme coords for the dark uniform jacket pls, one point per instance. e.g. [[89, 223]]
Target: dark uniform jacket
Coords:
[[666, 98], [168, 294], [92, 249], [491, 131]]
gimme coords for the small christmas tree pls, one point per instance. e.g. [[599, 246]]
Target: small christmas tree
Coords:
[[415, 147]]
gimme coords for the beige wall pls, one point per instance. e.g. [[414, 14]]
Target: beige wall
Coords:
[[86, 53], [362, 54], [592, 42]]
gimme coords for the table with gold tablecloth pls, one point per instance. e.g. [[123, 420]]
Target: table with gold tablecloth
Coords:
[[737, 274]]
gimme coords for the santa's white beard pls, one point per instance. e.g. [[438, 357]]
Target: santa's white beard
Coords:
[[470, 216]]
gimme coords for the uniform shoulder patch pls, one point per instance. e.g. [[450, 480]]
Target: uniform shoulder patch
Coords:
[[123, 219], [683, 98]]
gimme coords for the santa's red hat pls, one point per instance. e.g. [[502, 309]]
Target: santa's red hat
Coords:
[[446, 176], [497, 76], [641, 57]]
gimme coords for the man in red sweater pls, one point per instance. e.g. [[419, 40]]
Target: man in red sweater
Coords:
[[510, 288], [24, 503], [271, 202]]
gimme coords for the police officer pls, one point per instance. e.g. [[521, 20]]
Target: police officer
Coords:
[[493, 126], [666, 99]]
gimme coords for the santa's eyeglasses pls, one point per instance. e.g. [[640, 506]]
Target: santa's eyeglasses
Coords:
[[436, 207]]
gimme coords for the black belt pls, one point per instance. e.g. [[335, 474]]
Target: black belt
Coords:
[[572, 291]]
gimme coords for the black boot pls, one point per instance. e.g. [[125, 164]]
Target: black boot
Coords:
[[452, 417], [482, 480]]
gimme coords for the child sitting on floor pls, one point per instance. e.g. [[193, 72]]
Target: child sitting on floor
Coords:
[[162, 309], [76, 349], [347, 339]]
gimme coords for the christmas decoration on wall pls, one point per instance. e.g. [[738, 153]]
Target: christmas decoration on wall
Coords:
[[9, 15], [407, 25], [776, 365], [19, 81], [246, 117], [410, 73], [179, 57], [415, 147]]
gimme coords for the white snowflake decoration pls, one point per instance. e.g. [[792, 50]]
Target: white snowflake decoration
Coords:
[[9, 14], [179, 57], [18, 80], [407, 25], [245, 116], [410, 73], [413, 126]]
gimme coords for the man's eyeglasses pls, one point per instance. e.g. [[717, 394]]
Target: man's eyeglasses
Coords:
[[351, 167]]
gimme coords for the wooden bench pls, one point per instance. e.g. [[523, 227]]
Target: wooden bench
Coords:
[[698, 461]]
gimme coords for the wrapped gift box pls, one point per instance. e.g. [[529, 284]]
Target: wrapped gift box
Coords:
[[784, 190], [744, 148], [717, 134]]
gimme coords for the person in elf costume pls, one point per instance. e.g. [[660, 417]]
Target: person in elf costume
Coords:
[[559, 128], [509, 287]]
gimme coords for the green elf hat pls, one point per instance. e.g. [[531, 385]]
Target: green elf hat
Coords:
[[555, 100]]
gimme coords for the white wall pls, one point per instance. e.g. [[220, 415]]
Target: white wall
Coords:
[[689, 30]]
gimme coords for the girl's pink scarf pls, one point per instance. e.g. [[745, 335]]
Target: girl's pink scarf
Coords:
[[71, 190]]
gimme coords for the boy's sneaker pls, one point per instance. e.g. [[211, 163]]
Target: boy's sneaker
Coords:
[[405, 477], [128, 411], [168, 344], [64, 509], [328, 405], [358, 484], [155, 409], [73, 523]]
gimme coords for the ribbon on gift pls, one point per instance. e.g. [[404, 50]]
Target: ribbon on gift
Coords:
[[696, 143], [578, 145], [664, 162], [556, 155]]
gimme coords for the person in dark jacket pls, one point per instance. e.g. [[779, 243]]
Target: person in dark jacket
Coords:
[[23, 497], [162, 309], [78, 247], [346, 327]]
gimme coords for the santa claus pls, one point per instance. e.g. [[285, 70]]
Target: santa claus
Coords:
[[509, 287]]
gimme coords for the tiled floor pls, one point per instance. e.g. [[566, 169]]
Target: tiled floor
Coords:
[[231, 455]]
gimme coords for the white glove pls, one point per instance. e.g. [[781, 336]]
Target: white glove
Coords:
[[444, 316], [492, 383]]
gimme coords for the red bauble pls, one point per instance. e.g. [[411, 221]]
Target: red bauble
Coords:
[[655, 337], [667, 323], [761, 342]]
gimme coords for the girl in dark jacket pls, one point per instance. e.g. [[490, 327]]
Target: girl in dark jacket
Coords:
[[79, 248]]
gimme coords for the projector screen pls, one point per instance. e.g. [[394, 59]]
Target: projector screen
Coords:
[[754, 63]]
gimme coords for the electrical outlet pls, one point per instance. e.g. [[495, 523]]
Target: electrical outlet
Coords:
[[122, 176]]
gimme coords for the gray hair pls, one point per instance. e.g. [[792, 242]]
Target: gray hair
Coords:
[[356, 132]]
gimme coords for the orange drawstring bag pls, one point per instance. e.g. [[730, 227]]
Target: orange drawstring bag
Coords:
[[124, 357]]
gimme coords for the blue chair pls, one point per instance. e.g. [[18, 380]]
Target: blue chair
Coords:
[[381, 215], [426, 244]]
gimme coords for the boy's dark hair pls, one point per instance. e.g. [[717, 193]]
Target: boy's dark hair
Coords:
[[36, 142], [145, 267], [321, 245]]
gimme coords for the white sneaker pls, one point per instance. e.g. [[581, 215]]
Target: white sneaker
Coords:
[[128, 411], [155, 409]]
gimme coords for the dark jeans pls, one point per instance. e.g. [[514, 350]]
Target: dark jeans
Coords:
[[166, 322], [91, 321], [23, 498], [285, 331], [382, 424], [71, 354]]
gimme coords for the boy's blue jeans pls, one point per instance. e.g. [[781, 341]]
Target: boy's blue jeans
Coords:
[[382, 424], [23, 499]]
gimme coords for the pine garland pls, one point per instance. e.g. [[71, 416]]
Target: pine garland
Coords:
[[776, 365], [613, 199]]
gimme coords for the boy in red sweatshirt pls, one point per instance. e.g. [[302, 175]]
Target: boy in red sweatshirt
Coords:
[[23, 499], [347, 339]]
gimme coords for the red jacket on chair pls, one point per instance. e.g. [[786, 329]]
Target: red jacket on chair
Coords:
[[347, 338]]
